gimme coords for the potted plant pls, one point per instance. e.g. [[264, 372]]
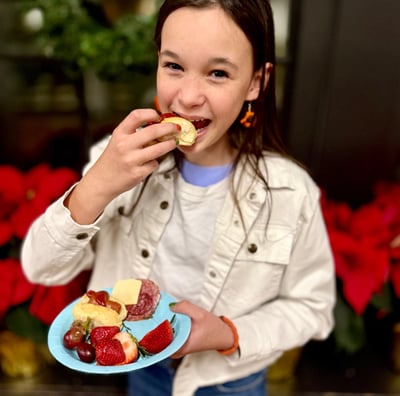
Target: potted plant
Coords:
[[366, 247]]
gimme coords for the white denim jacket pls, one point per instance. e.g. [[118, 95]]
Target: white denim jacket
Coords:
[[277, 285]]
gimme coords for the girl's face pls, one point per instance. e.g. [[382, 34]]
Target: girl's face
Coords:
[[205, 72]]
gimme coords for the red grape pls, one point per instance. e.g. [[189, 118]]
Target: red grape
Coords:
[[86, 352], [74, 336]]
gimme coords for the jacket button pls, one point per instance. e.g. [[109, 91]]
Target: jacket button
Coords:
[[212, 274], [252, 248], [164, 205], [145, 253], [252, 196], [82, 235], [167, 176], [121, 210]]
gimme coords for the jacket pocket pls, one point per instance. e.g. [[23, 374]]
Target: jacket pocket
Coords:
[[270, 246], [258, 268]]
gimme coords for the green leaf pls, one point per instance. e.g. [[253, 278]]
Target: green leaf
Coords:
[[349, 331], [21, 322], [80, 41], [383, 300]]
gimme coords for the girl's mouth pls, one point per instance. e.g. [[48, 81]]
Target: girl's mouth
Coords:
[[200, 124]]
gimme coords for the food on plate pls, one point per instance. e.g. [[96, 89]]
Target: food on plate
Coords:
[[75, 335], [110, 353], [159, 338], [148, 297], [107, 345], [101, 333], [100, 308], [127, 290], [129, 346], [120, 349], [130, 299], [86, 352], [98, 333]]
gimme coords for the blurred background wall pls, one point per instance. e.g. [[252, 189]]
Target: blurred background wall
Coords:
[[343, 100], [338, 92]]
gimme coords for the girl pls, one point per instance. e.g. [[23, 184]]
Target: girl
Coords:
[[230, 226]]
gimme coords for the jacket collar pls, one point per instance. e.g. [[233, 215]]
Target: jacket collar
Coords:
[[276, 171]]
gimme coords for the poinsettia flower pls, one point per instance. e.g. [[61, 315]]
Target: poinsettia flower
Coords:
[[43, 185], [368, 222], [23, 197], [395, 253], [362, 268], [387, 196], [48, 301], [15, 288], [387, 193], [12, 192], [49, 183], [6, 232], [337, 215], [23, 217], [11, 189]]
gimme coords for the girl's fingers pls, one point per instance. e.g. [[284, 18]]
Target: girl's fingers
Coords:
[[136, 119], [143, 125], [153, 134]]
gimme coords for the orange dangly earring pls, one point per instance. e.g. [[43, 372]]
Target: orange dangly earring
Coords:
[[248, 119]]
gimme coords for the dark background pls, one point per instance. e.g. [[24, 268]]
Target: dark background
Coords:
[[343, 115]]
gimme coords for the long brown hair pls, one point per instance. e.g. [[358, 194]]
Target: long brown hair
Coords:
[[255, 19]]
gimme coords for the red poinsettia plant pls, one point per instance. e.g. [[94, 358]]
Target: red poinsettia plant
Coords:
[[26, 308], [366, 247]]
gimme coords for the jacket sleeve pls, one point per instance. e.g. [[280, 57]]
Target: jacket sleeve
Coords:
[[303, 310], [56, 248]]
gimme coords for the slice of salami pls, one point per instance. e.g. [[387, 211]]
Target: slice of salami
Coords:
[[149, 296]]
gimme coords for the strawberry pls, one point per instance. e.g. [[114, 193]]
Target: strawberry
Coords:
[[101, 333], [128, 345], [110, 353], [158, 339]]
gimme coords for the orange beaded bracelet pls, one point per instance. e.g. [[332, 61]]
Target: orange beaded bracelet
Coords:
[[235, 345]]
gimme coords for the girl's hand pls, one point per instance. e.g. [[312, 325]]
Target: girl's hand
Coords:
[[208, 331], [127, 160]]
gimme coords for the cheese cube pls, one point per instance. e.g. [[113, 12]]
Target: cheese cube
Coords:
[[127, 291]]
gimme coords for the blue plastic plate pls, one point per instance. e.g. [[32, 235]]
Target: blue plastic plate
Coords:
[[139, 328]]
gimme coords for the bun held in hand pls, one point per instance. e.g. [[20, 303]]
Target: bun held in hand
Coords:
[[187, 130], [187, 135]]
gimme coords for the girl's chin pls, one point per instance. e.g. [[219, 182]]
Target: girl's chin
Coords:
[[186, 149]]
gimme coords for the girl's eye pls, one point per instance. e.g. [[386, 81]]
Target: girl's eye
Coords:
[[219, 74], [172, 66]]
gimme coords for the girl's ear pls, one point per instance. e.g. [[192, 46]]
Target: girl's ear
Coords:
[[254, 88]]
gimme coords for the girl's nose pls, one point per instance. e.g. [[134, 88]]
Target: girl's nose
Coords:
[[191, 92]]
